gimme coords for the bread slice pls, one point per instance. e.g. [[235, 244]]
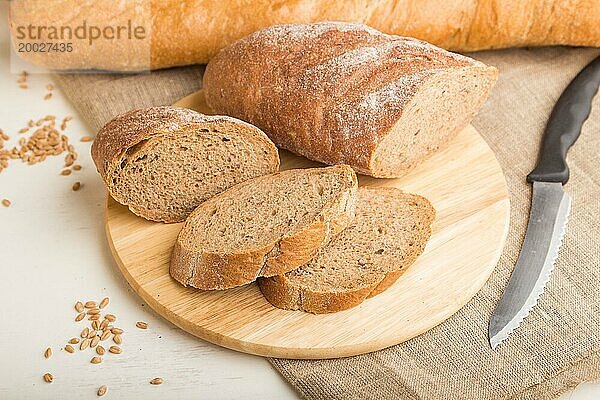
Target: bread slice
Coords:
[[389, 232], [263, 227], [162, 162], [344, 93]]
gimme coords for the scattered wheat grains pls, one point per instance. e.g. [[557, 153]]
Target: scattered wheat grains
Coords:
[[117, 339], [90, 304], [65, 172], [141, 325], [114, 349], [116, 331], [95, 325], [110, 317], [74, 340], [69, 348], [84, 344], [156, 381], [79, 307], [105, 335], [6, 202], [104, 302], [48, 378], [79, 317], [93, 317], [48, 96], [104, 324], [100, 350], [96, 360], [85, 332], [76, 186], [48, 353], [91, 334], [76, 167], [102, 390], [86, 139]]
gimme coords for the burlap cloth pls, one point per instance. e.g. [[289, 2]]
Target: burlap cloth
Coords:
[[556, 347]]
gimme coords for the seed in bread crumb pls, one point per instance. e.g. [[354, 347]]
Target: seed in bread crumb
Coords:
[[86, 139], [141, 325], [23, 86], [69, 349], [48, 353], [96, 360], [74, 340], [48, 378], [114, 349], [79, 317], [102, 390], [6, 202], [100, 350], [65, 172], [156, 381], [79, 307], [104, 302], [77, 167], [48, 96], [50, 86]]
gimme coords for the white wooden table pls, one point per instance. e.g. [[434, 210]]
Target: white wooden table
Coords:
[[53, 252]]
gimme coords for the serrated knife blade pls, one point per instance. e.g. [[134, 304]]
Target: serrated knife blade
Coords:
[[550, 206]]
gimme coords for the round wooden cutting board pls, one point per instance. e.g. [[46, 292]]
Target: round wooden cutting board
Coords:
[[467, 188]]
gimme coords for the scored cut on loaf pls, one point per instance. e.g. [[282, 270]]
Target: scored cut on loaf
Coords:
[[389, 232], [162, 162], [263, 227], [343, 93]]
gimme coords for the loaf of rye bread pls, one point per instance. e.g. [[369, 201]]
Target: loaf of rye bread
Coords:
[[263, 227], [343, 93], [162, 162], [389, 232]]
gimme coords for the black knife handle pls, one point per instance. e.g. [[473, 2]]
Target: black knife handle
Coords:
[[564, 125]]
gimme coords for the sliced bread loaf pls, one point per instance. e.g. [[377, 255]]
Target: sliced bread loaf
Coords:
[[344, 93], [389, 232], [263, 227], [162, 162]]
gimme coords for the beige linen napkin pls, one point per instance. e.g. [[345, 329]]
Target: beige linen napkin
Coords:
[[556, 347]]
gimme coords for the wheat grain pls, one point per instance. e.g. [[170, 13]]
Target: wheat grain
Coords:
[[102, 390]]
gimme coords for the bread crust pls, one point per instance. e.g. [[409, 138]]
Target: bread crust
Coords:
[[134, 127], [191, 31], [333, 92], [283, 293], [217, 271]]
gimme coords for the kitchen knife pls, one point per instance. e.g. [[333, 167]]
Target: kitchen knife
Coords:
[[550, 205]]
